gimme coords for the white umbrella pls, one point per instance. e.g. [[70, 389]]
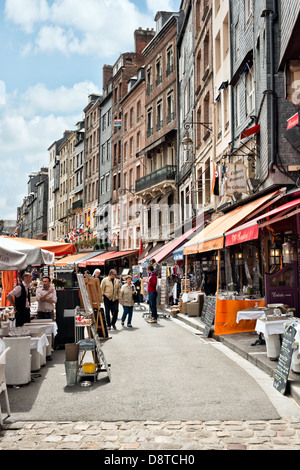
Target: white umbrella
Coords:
[[16, 256]]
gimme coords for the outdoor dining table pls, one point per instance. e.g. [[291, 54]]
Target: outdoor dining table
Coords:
[[272, 329], [251, 313]]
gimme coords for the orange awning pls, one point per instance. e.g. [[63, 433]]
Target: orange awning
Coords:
[[70, 259], [58, 248], [212, 237], [101, 259]]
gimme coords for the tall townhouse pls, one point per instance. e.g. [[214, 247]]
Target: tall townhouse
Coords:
[[91, 166], [124, 69], [65, 195], [260, 94], [54, 226], [53, 157], [77, 203], [33, 212], [222, 89], [186, 174], [104, 212], [133, 105], [203, 132], [158, 187]]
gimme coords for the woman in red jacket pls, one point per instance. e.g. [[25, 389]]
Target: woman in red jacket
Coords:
[[152, 294]]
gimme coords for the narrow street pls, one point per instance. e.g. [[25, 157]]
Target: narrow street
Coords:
[[170, 389]]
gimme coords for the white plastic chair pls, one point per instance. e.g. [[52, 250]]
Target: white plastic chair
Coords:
[[3, 383]]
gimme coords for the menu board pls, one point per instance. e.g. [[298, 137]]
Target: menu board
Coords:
[[208, 314], [285, 360]]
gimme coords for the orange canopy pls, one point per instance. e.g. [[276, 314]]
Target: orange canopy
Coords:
[[8, 283], [58, 248], [212, 236]]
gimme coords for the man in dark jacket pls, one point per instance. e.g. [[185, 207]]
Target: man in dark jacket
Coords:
[[152, 294], [19, 297]]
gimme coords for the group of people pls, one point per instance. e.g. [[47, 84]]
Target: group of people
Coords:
[[19, 298], [112, 291], [115, 294]]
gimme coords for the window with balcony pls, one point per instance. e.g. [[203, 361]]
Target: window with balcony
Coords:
[[158, 72], [159, 116], [170, 107], [149, 122], [149, 83], [170, 60]]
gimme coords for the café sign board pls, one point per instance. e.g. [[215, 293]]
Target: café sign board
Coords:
[[236, 179]]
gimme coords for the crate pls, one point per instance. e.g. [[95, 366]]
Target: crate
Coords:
[[193, 309]]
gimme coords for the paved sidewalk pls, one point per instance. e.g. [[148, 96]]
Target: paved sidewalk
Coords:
[[152, 435]]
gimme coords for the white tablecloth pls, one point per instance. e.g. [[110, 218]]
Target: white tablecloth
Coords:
[[38, 343], [251, 313], [51, 328], [271, 327]]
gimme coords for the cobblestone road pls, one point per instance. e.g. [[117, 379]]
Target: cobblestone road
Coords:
[[279, 434]]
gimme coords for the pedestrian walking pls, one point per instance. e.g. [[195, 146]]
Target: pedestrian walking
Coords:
[[152, 294], [19, 297], [127, 293], [111, 291]]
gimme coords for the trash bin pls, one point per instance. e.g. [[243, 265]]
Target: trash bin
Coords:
[[71, 372]]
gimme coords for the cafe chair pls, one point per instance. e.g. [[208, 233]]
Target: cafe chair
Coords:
[[3, 383]]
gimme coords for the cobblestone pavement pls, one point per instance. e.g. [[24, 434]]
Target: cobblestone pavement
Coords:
[[279, 434]]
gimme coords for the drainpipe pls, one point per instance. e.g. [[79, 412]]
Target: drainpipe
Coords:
[[273, 16]]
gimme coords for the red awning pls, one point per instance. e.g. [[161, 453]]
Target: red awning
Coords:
[[251, 131], [101, 259], [250, 230], [168, 249]]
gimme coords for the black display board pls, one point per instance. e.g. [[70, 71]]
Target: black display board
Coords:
[[208, 314], [285, 360]]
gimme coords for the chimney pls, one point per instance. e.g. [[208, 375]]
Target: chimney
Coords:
[[107, 73], [142, 38]]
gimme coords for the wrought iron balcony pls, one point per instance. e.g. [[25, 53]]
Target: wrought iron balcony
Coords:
[[77, 204], [167, 173]]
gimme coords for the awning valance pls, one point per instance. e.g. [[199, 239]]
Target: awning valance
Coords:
[[250, 230], [212, 237]]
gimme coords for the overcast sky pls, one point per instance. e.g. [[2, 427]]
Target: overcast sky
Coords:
[[51, 55]]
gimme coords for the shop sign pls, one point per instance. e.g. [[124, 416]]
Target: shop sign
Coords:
[[236, 179], [242, 236], [293, 121]]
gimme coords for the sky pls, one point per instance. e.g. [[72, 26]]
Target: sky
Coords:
[[51, 58]]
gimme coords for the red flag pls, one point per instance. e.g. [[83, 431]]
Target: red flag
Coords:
[[141, 248]]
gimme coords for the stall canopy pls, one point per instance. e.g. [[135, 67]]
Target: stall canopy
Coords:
[[17, 256], [58, 248], [75, 259], [212, 236], [169, 248], [250, 230], [107, 256]]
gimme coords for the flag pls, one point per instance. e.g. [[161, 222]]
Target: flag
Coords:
[[215, 190], [141, 248]]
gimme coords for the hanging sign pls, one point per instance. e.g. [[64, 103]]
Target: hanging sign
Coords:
[[236, 179], [293, 121]]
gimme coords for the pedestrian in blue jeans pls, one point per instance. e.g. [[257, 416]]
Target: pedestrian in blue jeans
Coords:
[[152, 294], [127, 301]]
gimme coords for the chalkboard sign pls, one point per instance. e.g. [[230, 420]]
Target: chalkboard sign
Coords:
[[208, 314], [285, 360]]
